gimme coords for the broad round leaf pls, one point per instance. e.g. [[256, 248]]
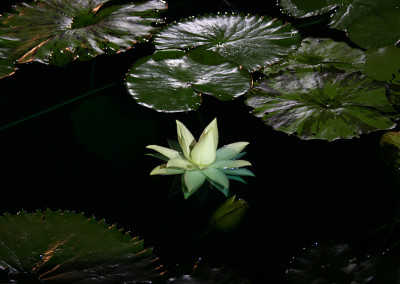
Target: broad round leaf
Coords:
[[323, 263], [327, 105], [308, 8], [249, 41], [174, 81], [383, 63], [336, 263], [7, 66], [210, 273], [69, 248], [321, 53], [351, 10], [58, 31], [377, 29]]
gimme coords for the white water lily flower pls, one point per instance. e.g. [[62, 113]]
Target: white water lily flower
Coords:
[[201, 161]]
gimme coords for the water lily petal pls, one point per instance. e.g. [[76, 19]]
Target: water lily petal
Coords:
[[216, 176], [238, 172], [229, 164], [193, 180], [169, 153], [237, 178], [163, 170], [185, 138], [231, 150], [214, 128], [203, 153], [180, 163]]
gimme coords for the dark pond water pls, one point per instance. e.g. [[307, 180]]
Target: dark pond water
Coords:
[[89, 156]]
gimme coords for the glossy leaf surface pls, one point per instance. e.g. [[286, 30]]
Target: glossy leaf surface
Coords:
[[383, 63], [249, 41], [319, 53], [377, 29], [308, 8], [327, 105], [174, 81], [351, 10], [333, 262], [69, 248], [57, 31], [7, 66], [210, 273]]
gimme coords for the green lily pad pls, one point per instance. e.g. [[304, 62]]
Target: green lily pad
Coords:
[[64, 247], [308, 8], [376, 29], [383, 64], [57, 31], [351, 10], [210, 273], [174, 80], [250, 41], [333, 262], [319, 53], [323, 263], [323, 105], [7, 66]]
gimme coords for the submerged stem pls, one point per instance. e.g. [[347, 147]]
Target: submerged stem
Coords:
[[56, 106]]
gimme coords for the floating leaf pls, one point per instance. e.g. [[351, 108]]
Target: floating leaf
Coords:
[[336, 263], [308, 8], [376, 29], [69, 248], [7, 66], [249, 41], [322, 263], [383, 64], [210, 273], [57, 31], [174, 81], [351, 10], [324, 105], [318, 53]]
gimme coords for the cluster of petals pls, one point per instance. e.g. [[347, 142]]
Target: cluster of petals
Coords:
[[201, 161]]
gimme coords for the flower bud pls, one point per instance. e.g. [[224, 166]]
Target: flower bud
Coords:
[[229, 214]]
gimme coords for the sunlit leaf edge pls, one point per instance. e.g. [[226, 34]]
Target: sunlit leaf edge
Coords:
[[37, 256]]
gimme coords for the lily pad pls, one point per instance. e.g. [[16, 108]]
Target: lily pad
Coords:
[[308, 8], [351, 10], [7, 66], [64, 247], [57, 31], [174, 80], [210, 273], [323, 105], [334, 262], [376, 29], [250, 41], [383, 63], [323, 263], [319, 53]]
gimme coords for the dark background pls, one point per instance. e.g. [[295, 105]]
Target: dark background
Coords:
[[89, 156]]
